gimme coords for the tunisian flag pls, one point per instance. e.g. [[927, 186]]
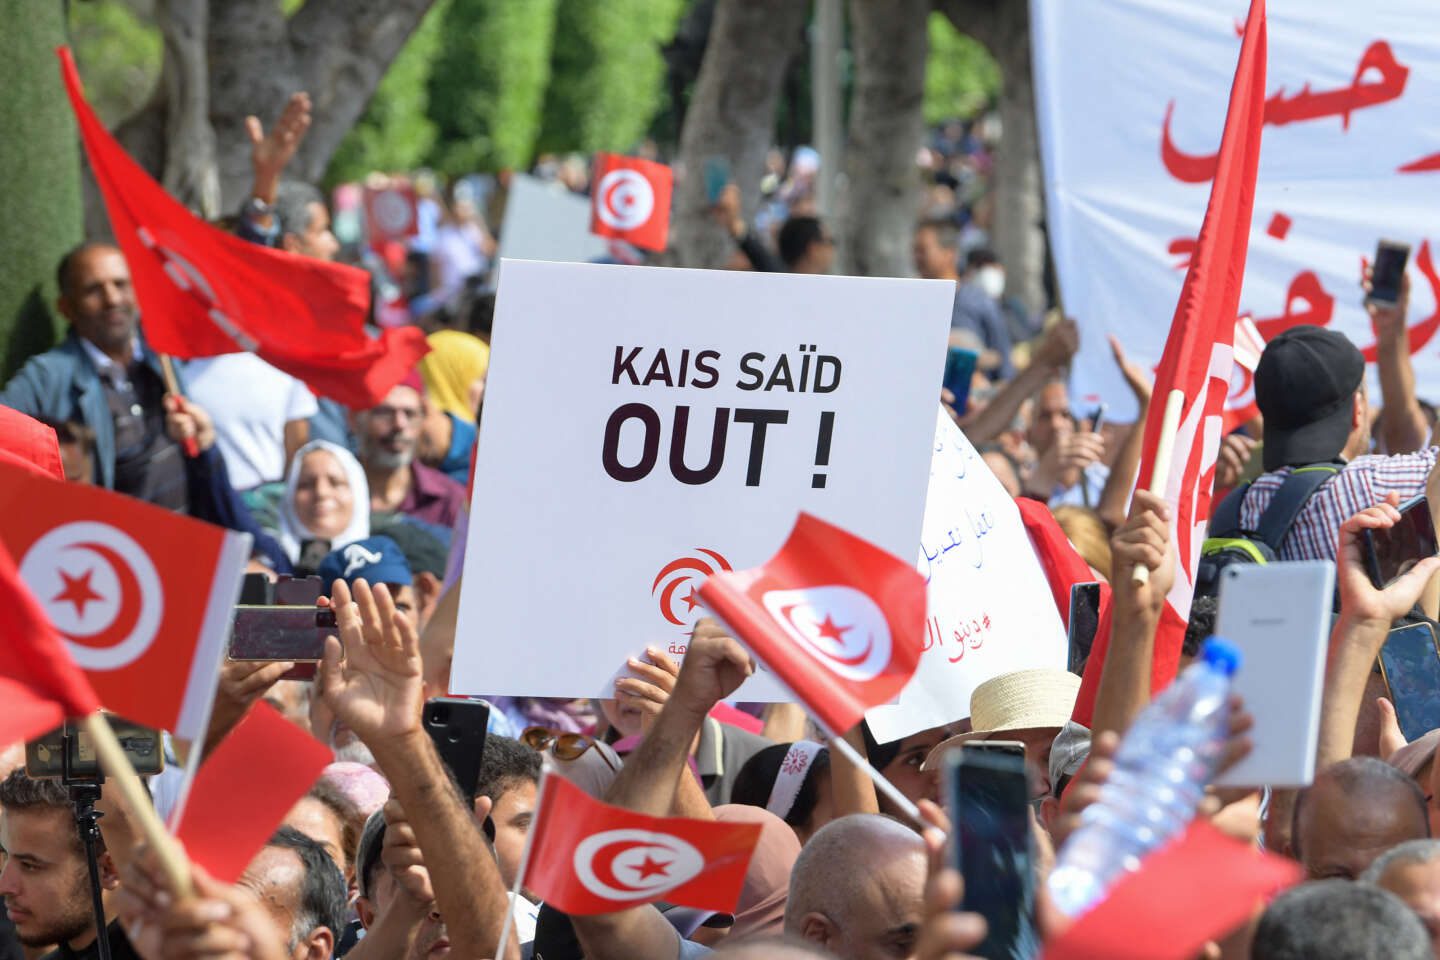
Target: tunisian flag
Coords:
[[204, 292], [631, 200], [40, 685], [141, 597], [839, 620], [1198, 357], [588, 857]]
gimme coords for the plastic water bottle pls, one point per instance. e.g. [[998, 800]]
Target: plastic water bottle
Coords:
[[1163, 764]]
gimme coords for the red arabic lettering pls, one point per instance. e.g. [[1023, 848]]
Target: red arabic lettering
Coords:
[[1281, 110], [967, 635], [1319, 307], [1423, 165]]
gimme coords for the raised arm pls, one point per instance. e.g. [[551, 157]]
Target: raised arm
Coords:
[[1403, 427], [371, 679], [1143, 540], [1113, 498], [1365, 618], [1054, 352]]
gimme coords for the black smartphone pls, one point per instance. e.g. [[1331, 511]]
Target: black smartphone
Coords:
[[457, 726], [278, 620], [717, 177], [1387, 272], [991, 847], [1390, 553], [1097, 418], [1084, 622], [959, 373], [66, 752], [1410, 664]]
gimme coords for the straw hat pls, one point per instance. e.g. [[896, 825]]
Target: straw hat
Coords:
[[1041, 699]]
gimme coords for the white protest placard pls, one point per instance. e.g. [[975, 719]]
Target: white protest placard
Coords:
[[545, 221], [990, 607], [1130, 99], [645, 427]]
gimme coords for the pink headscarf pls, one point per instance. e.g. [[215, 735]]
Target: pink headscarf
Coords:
[[761, 909], [363, 787]]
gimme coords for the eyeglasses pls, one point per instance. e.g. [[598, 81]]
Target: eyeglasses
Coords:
[[564, 746]]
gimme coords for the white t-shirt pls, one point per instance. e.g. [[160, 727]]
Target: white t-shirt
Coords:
[[250, 402]]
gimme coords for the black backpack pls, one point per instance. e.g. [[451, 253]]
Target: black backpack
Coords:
[[1229, 542]]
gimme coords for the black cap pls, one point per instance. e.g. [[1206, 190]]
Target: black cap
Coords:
[[1304, 387]]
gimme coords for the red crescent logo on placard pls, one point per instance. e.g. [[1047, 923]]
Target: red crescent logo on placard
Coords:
[[635, 864], [839, 626], [686, 572], [391, 211], [624, 199], [100, 590]]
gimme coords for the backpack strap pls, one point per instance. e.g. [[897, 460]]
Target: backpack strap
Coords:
[[1289, 500], [1225, 520]]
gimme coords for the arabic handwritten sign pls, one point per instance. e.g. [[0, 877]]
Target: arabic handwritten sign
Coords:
[[1131, 98], [645, 428], [990, 606]]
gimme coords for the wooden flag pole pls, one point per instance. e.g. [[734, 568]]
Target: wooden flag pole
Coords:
[[118, 768], [172, 384], [1164, 453]]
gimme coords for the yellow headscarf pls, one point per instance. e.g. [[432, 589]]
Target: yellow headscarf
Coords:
[[455, 361]]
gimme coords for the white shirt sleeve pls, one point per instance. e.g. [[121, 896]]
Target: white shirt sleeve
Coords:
[[300, 405]]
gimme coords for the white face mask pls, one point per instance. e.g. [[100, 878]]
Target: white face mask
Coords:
[[991, 279]]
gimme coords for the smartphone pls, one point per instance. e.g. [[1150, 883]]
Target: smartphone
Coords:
[[274, 633], [457, 726], [66, 752], [1278, 639], [1410, 664], [991, 847], [1389, 554], [1097, 418], [1387, 272], [1084, 622], [717, 177], [959, 372], [1012, 748]]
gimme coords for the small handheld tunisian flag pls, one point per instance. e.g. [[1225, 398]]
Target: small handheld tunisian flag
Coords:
[[588, 857], [1198, 357], [141, 596], [838, 619], [40, 685], [631, 200], [203, 291]]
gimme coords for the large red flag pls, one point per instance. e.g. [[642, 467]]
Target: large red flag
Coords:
[[31, 441], [203, 291], [631, 200], [141, 596], [587, 857], [1198, 357], [840, 621], [40, 685]]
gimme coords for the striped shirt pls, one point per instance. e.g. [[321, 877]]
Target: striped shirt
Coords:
[[1361, 483]]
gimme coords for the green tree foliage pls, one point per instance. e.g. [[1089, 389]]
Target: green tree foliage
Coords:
[[961, 77], [607, 73], [118, 50], [396, 131], [487, 83]]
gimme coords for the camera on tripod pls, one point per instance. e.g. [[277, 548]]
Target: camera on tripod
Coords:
[[67, 754], [279, 621]]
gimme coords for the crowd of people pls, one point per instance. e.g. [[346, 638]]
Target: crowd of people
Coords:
[[386, 858]]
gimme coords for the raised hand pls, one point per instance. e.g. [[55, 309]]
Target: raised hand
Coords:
[[649, 690], [715, 666], [1359, 598], [1136, 376], [401, 855], [371, 675], [1143, 540], [270, 153], [1235, 453]]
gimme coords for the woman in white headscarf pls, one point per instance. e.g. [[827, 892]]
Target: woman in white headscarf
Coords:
[[326, 505]]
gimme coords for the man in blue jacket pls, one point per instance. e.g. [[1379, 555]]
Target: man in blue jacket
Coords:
[[105, 377]]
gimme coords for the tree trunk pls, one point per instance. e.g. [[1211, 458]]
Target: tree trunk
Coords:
[[732, 114], [1017, 233], [252, 60], [40, 167], [887, 126]]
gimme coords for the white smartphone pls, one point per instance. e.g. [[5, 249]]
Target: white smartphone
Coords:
[[1279, 615]]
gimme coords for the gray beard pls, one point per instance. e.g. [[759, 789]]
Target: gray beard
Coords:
[[385, 460]]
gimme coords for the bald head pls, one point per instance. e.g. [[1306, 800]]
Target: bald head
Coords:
[[1355, 811], [857, 888], [771, 948]]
